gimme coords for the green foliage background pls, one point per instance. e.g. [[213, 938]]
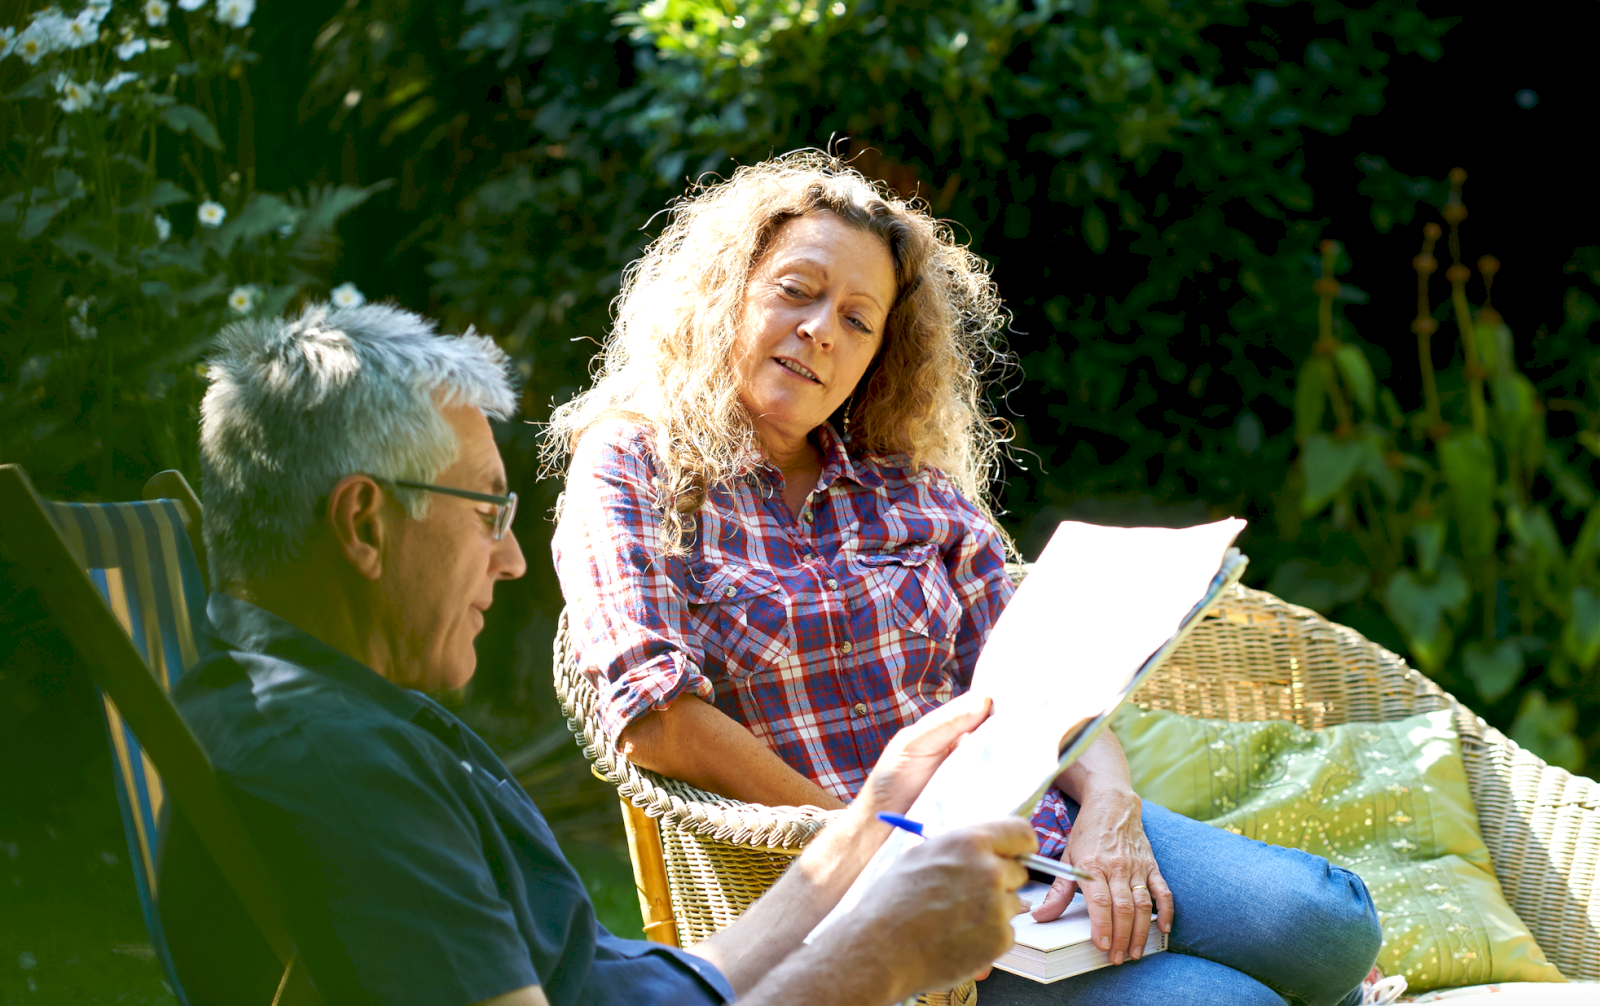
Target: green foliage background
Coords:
[[1134, 171]]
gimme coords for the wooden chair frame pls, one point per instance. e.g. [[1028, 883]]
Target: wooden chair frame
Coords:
[[120, 671]]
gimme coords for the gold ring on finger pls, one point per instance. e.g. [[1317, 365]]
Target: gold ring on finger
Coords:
[[1140, 887]]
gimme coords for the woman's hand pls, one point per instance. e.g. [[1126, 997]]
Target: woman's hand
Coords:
[[1108, 841]]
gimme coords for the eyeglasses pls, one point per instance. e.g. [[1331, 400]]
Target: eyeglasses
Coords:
[[505, 507]]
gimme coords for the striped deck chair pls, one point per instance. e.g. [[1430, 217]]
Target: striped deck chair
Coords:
[[128, 581]]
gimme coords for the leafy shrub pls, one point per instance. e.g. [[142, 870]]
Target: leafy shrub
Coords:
[[131, 229]]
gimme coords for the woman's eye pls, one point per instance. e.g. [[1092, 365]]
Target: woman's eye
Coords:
[[862, 326], [791, 290], [489, 517]]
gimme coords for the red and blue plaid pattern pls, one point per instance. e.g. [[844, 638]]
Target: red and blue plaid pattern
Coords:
[[824, 632]]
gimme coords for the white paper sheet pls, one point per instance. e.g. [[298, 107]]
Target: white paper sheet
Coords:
[[1096, 605]]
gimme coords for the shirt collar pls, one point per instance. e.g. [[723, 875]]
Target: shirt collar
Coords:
[[240, 625], [837, 463]]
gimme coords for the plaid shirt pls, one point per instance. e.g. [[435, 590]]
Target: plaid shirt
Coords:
[[824, 635]]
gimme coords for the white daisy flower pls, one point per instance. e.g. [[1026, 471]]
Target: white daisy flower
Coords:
[[163, 228], [81, 30], [191, 4], [235, 13], [8, 41], [35, 43], [211, 214], [117, 80], [97, 10], [242, 299], [131, 48], [155, 12], [54, 24], [75, 97], [346, 295]]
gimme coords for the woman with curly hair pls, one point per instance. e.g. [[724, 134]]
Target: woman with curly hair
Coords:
[[777, 549]]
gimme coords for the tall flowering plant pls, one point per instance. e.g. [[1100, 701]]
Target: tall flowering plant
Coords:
[[131, 228], [1470, 522]]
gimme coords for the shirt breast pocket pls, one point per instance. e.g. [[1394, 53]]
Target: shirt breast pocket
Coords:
[[743, 617], [909, 581]]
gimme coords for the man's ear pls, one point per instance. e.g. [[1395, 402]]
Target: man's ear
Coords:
[[358, 520]]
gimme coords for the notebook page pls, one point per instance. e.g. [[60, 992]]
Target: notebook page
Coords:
[[1096, 605]]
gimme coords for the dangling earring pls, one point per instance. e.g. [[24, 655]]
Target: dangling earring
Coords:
[[849, 403]]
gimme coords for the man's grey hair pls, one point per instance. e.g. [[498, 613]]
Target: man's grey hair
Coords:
[[297, 404]]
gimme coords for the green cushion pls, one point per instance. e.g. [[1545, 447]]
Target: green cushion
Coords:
[[1386, 800]]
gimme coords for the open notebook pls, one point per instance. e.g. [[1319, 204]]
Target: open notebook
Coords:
[[1099, 611], [1050, 951]]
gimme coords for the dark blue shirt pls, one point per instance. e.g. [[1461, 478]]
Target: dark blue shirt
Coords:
[[415, 868]]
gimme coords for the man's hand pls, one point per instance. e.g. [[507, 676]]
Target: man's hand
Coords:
[[912, 755], [1108, 841], [943, 914]]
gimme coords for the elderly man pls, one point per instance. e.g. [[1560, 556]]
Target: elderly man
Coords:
[[357, 520]]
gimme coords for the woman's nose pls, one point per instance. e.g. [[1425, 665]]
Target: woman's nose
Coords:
[[816, 328]]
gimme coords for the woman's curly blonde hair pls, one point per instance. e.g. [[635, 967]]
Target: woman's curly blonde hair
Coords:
[[669, 361]]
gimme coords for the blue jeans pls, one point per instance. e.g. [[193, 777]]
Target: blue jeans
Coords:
[[1252, 924]]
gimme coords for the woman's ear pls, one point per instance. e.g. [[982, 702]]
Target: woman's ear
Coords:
[[358, 521]]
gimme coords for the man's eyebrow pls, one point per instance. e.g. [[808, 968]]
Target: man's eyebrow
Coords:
[[494, 477]]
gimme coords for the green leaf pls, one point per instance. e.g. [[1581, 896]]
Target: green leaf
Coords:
[[187, 118], [1571, 485], [1429, 537], [1493, 668], [1375, 466], [38, 218], [325, 206], [1391, 410], [1317, 586], [1533, 529], [263, 214], [164, 193], [1357, 374], [1580, 637], [1468, 467], [1095, 234], [1311, 397], [1328, 465], [36, 87], [73, 244], [1418, 608], [1545, 728]]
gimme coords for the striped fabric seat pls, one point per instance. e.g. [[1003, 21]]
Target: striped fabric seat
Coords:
[[138, 556]]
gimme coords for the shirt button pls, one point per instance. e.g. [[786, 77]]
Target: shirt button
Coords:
[[728, 591], [811, 557], [845, 647], [833, 584], [805, 515], [860, 709], [466, 765]]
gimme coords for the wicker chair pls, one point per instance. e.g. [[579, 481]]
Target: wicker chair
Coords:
[[700, 859]]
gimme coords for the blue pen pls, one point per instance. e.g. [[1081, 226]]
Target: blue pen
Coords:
[[1032, 861]]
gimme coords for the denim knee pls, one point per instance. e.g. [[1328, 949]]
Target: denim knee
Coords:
[[1343, 927]]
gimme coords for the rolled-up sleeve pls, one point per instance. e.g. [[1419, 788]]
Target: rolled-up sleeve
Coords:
[[626, 605]]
